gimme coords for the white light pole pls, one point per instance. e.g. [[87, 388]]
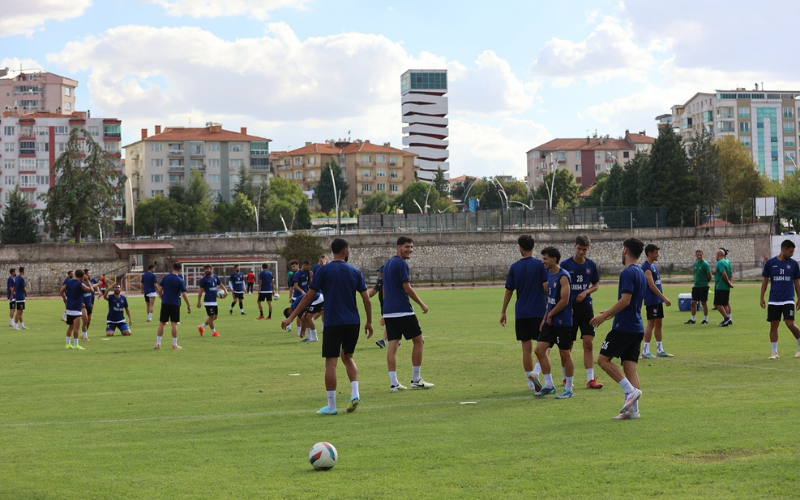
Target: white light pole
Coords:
[[131, 208], [258, 205], [335, 195], [553, 180]]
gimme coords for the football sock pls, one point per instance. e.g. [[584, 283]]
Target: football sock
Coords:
[[530, 383], [537, 369], [627, 387], [646, 348], [68, 339], [174, 340], [149, 316], [798, 343], [314, 335], [84, 334], [774, 347], [354, 389], [589, 374], [568, 386], [215, 330], [203, 326], [240, 309], [705, 317], [415, 376], [563, 372], [75, 341], [660, 346], [548, 380], [22, 324], [692, 317], [158, 339], [331, 399], [393, 378]]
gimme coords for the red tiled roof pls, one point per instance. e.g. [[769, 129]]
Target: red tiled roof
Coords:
[[315, 148], [201, 134], [368, 147], [596, 143], [640, 138]]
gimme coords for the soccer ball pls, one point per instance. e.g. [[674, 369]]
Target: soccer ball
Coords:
[[277, 296], [221, 294], [323, 456]]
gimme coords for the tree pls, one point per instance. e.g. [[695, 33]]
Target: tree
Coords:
[[612, 196], [301, 247], [741, 181], [86, 194], [704, 163], [237, 216], [440, 183], [564, 188], [277, 213], [789, 200], [169, 215], [324, 188], [377, 203], [628, 188], [665, 180], [197, 204], [246, 185], [302, 217], [420, 192], [286, 190], [19, 221]]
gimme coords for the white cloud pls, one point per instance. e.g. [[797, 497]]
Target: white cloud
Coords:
[[490, 88], [610, 51], [259, 9], [15, 64], [21, 18]]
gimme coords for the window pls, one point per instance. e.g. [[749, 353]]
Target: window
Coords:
[[42, 165], [597, 155], [157, 178], [366, 188], [788, 141], [577, 168], [298, 160], [311, 175], [67, 91], [61, 147], [744, 126], [196, 164], [577, 155], [238, 163], [380, 172], [393, 188], [788, 112], [156, 147], [27, 181], [42, 131], [112, 146], [9, 164], [744, 113], [380, 186], [42, 147], [61, 130], [156, 192], [366, 159], [9, 147], [175, 148], [392, 160], [196, 147], [9, 130], [213, 177], [175, 179], [10, 180], [392, 173], [93, 130], [68, 106], [213, 163], [788, 127], [626, 154], [27, 163], [213, 147], [311, 161], [235, 147], [380, 158], [175, 163], [298, 174], [789, 156], [366, 173], [42, 180], [597, 168], [156, 162], [259, 148]]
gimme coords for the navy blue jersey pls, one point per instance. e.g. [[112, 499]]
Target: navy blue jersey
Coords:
[[236, 281], [339, 282], [149, 281], [564, 316], [116, 308], [301, 278], [88, 297], [74, 295], [379, 288], [395, 299], [526, 277], [19, 288], [172, 286], [9, 286], [265, 278], [781, 274], [582, 276], [632, 281], [650, 297], [210, 284]]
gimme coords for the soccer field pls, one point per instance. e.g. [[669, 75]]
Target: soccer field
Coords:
[[234, 416]]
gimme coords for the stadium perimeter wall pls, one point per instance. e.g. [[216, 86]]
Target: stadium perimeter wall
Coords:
[[47, 264]]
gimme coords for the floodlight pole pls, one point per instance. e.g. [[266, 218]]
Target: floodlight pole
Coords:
[[336, 195]]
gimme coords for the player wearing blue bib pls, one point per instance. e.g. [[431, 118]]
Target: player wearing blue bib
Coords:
[[556, 325], [117, 304], [237, 286], [340, 283], [88, 303], [782, 274], [585, 280], [266, 284], [654, 301], [72, 292], [171, 290], [209, 285], [625, 339], [528, 278], [12, 274], [149, 285], [20, 292], [307, 316], [399, 317]]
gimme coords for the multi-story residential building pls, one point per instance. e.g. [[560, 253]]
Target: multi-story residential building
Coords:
[[765, 121], [35, 90], [368, 168], [424, 107], [167, 158], [31, 143], [585, 157]]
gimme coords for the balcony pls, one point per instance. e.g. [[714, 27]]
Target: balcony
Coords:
[[177, 168], [397, 178], [175, 152], [260, 168], [311, 179], [367, 178]]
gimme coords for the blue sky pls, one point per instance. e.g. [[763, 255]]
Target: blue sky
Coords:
[[520, 72]]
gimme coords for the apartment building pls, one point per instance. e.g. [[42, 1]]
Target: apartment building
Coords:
[[368, 168], [584, 158], [30, 144], [36, 90], [156, 162], [765, 121]]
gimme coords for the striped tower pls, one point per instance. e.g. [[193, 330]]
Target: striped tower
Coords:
[[425, 111]]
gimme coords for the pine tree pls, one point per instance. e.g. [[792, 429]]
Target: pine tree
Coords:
[[19, 221], [324, 188], [666, 179]]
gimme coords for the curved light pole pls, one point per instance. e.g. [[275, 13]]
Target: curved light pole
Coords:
[[524, 205], [335, 195], [258, 205], [465, 196]]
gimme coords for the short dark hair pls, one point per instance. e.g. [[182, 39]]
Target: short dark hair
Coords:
[[207, 266], [306, 263], [552, 252], [787, 244], [650, 248], [287, 312], [22, 269], [151, 267], [525, 242], [634, 246], [79, 273], [176, 266], [583, 241], [724, 250], [264, 266], [12, 270], [293, 262], [338, 245], [403, 240]]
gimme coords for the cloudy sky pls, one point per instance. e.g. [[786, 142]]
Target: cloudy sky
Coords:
[[520, 72]]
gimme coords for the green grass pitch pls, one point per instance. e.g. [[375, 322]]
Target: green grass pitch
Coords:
[[234, 417]]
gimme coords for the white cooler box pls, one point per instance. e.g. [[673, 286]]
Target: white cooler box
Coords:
[[685, 302]]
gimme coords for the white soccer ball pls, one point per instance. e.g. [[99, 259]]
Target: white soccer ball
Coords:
[[323, 456], [221, 294], [277, 296]]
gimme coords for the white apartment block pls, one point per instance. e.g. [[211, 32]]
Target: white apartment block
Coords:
[[166, 158], [765, 121], [424, 106]]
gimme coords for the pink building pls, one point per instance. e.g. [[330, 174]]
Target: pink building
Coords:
[[36, 90]]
